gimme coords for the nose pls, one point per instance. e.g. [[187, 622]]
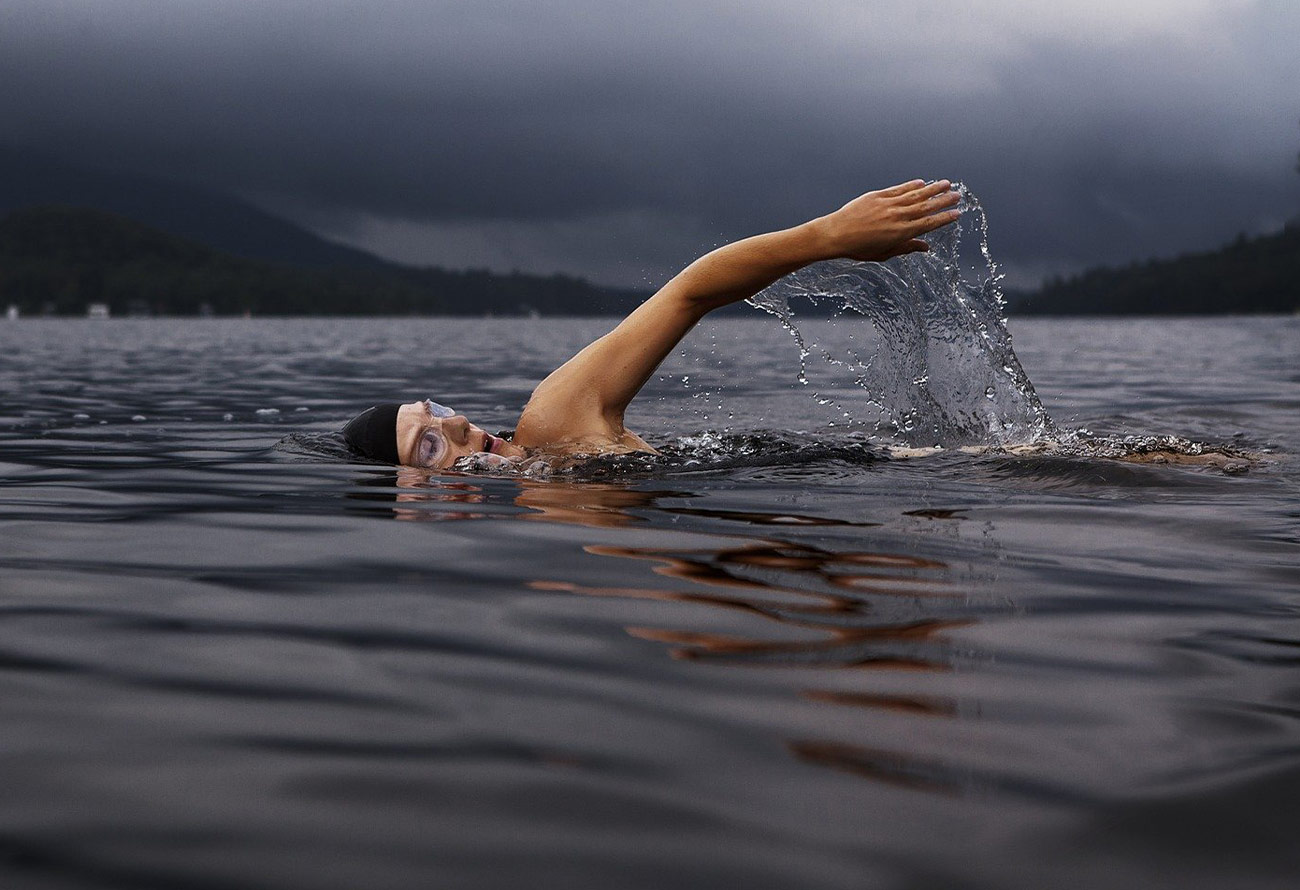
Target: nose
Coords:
[[456, 428]]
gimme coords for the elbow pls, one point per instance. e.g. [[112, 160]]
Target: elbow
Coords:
[[684, 298]]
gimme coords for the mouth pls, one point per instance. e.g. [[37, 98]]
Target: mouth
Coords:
[[490, 443]]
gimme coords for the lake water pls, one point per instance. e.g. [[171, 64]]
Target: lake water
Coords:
[[774, 660]]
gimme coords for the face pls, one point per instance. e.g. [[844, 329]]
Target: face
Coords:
[[429, 435]]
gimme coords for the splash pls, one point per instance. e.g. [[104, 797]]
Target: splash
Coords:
[[942, 371], [704, 452]]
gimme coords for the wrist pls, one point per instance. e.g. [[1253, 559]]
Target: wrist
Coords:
[[817, 240]]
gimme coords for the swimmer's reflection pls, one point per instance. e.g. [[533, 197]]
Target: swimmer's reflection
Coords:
[[826, 604], [819, 609], [412, 495], [880, 612], [415, 488], [422, 496], [801, 590]]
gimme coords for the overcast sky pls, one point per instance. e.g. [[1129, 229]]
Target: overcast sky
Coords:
[[618, 140]]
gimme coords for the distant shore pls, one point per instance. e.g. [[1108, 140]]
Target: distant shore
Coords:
[[1250, 276]]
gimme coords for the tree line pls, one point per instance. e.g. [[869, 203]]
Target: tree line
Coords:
[[58, 260]]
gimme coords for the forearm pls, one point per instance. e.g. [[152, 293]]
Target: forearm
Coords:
[[741, 269], [872, 227]]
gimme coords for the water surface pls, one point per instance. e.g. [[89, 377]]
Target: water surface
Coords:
[[778, 659]]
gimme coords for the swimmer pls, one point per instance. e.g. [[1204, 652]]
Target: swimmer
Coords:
[[579, 408]]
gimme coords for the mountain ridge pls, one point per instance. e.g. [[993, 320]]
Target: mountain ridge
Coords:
[[59, 260], [226, 223], [1259, 274]]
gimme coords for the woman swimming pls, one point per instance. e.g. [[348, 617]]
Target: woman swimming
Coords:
[[580, 406]]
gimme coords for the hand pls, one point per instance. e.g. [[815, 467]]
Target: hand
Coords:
[[887, 223]]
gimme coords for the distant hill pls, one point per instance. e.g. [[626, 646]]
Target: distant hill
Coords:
[[1251, 275], [57, 260], [219, 221]]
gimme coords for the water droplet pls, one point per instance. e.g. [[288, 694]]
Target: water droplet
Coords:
[[989, 392], [138, 417]]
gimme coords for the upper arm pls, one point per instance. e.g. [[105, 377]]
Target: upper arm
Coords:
[[587, 395]]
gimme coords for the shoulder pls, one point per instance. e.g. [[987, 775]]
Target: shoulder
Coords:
[[558, 415], [570, 425]]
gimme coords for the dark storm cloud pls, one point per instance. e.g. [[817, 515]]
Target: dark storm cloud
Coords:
[[565, 135]]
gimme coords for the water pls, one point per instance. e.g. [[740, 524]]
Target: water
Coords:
[[777, 658], [926, 341]]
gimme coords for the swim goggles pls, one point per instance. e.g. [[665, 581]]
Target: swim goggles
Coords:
[[433, 447]]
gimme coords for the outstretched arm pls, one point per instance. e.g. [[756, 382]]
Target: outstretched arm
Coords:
[[586, 397]]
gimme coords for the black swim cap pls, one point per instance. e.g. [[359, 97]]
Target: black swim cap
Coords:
[[373, 433]]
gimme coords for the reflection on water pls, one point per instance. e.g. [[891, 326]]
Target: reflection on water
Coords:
[[765, 518], [822, 608], [880, 766]]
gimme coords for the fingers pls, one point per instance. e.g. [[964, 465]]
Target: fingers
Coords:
[[935, 189], [935, 221], [902, 188], [937, 203]]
